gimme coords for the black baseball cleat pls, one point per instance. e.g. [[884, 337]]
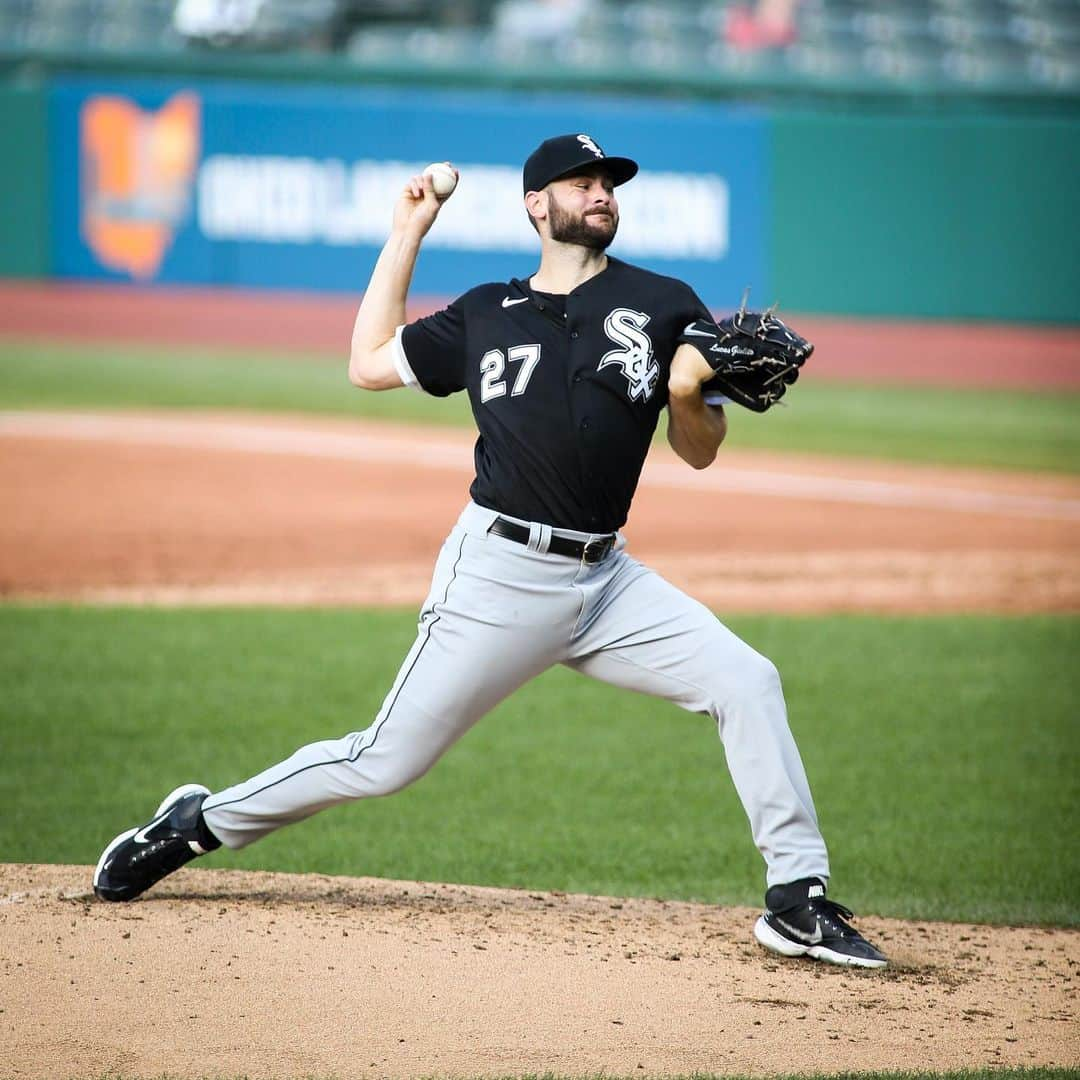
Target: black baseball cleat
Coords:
[[800, 921], [139, 858]]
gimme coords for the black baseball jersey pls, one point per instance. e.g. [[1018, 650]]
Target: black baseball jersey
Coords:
[[566, 390]]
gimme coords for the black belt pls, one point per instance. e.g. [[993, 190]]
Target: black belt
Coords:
[[589, 551]]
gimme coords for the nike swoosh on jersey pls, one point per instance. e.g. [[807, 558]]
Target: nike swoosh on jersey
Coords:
[[507, 302], [688, 331]]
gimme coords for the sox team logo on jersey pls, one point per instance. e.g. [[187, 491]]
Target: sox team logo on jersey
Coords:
[[627, 328]]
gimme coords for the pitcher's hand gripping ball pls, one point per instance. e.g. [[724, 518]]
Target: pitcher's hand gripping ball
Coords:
[[444, 178], [756, 356]]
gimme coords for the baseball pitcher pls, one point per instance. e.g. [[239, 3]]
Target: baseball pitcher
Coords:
[[568, 370]]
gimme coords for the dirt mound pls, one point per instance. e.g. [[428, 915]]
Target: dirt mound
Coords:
[[227, 973]]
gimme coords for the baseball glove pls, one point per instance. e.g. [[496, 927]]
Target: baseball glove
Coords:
[[756, 357]]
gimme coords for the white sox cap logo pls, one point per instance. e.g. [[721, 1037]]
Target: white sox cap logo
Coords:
[[590, 144], [626, 328]]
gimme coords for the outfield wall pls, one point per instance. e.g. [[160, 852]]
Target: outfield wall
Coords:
[[24, 183], [920, 214], [265, 186], [871, 209]]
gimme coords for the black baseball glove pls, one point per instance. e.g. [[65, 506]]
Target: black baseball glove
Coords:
[[755, 356]]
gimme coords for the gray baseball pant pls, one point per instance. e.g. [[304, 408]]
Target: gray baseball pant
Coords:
[[500, 613]]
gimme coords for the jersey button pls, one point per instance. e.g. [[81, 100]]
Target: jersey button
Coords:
[[573, 333], [585, 424]]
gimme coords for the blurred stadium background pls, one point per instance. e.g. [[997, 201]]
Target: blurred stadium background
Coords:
[[990, 46], [858, 157]]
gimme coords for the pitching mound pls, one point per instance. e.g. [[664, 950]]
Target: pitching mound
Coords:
[[227, 973]]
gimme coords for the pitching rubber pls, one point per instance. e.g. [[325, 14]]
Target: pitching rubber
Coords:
[[777, 943]]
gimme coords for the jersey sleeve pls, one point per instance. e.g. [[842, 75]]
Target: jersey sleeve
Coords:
[[429, 354], [695, 307]]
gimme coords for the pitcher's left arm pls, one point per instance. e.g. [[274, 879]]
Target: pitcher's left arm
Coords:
[[695, 430]]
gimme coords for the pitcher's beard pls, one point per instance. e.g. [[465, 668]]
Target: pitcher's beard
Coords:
[[594, 230]]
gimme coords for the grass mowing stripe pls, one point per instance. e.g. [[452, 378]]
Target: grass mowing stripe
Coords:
[[942, 753], [999, 428], [102, 376]]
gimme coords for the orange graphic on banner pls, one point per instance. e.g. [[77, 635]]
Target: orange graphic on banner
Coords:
[[137, 169]]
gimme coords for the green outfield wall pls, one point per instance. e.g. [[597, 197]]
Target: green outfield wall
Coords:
[[24, 182], [921, 214]]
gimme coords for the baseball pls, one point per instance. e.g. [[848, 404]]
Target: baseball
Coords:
[[443, 178]]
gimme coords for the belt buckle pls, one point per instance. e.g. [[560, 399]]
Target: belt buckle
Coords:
[[595, 550]]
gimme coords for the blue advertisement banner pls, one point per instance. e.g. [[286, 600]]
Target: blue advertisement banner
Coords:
[[285, 187]]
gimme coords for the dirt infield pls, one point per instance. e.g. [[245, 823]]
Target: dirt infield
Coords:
[[198, 508], [272, 975]]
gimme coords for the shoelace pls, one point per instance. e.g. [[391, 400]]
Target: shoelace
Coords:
[[834, 914], [829, 912], [831, 907]]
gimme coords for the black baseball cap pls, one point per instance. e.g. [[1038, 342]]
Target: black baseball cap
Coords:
[[565, 155]]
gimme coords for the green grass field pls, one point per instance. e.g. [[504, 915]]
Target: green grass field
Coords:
[[1000, 428], [943, 754]]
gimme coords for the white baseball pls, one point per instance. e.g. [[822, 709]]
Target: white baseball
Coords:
[[443, 178]]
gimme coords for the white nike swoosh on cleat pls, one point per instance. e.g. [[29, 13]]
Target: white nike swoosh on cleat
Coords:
[[140, 836], [801, 935], [507, 302]]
